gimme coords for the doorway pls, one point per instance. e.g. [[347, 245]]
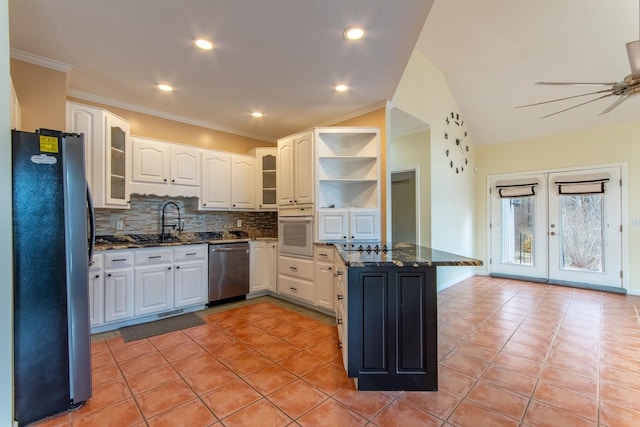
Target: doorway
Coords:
[[558, 227], [404, 207]]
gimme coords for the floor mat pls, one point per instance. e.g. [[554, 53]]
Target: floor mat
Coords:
[[159, 327]]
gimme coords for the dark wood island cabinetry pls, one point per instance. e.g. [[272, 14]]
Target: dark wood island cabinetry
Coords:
[[392, 316]]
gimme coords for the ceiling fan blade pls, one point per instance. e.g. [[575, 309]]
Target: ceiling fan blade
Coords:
[[576, 106], [615, 104], [575, 83], [568, 97]]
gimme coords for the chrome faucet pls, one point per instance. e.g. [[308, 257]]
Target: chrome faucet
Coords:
[[179, 227]]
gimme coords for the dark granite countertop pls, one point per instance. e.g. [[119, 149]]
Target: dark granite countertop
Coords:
[[132, 241], [405, 255]]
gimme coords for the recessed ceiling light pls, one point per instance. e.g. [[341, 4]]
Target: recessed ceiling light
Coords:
[[355, 32], [342, 88], [203, 44], [165, 88], [257, 114]]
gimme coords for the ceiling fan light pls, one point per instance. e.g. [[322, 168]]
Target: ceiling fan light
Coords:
[[633, 51]]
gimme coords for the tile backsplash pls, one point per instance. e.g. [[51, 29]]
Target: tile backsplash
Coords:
[[145, 217]]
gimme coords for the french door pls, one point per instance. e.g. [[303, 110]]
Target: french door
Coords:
[[558, 227]]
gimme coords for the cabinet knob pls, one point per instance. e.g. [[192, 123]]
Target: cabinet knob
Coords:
[[109, 275], [173, 180], [351, 237], [339, 321], [290, 201], [165, 180], [340, 297], [329, 269], [344, 237], [340, 345], [177, 267], [97, 276], [204, 204], [234, 205], [168, 268]]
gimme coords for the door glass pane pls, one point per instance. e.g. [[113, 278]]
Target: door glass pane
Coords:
[[582, 239], [518, 224]]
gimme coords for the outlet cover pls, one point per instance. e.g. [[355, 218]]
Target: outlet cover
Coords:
[[635, 222], [120, 225], [239, 223]]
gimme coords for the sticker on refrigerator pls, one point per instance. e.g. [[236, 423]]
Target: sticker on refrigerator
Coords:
[[43, 159], [48, 144]]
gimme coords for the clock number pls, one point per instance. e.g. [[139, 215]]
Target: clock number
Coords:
[[466, 148], [447, 120], [465, 133], [446, 135], [447, 153], [451, 164], [466, 162], [458, 141], [457, 170]]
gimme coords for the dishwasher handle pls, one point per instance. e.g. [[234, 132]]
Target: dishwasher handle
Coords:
[[245, 249]]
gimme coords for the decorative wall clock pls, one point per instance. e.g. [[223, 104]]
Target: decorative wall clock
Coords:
[[457, 150]]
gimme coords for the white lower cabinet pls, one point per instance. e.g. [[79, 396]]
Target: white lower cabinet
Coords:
[[340, 286], [124, 285], [190, 275], [324, 272], [262, 266], [96, 291], [354, 224], [295, 278], [118, 285]]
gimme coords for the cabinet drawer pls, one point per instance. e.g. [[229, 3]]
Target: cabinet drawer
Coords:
[[118, 260], [190, 253], [154, 256], [297, 288], [324, 253], [296, 267]]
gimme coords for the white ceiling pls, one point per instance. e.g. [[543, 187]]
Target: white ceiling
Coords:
[[281, 57], [284, 57], [493, 51]]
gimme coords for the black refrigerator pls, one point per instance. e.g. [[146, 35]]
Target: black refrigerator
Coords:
[[52, 235]]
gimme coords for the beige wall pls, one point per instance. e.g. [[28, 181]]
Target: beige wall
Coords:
[[41, 92], [6, 229], [424, 93], [377, 119], [149, 126], [611, 144], [413, 151]]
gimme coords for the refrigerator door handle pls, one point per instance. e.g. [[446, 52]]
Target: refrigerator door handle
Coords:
[[92, 225]]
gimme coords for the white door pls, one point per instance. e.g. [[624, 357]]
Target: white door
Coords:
[[561, 227], [190, 283], [216, 184], [185, 166], [243, 182], [585, 236]]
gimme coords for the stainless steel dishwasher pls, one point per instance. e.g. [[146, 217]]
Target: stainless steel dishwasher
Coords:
[[228, 270]]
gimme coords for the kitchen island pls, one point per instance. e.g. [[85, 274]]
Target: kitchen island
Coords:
[[391, 315]]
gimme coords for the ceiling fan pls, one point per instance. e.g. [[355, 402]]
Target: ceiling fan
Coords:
[[628, 87]]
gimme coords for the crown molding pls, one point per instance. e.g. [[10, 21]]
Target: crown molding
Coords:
[[39, 60], [138, 109]]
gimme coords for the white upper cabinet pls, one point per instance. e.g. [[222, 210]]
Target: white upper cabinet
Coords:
[[216, 185], [16, 111], [295, 170], [348, 184], [243, 182], [164, 168], [107, 153], [228, 181], [266, 193]]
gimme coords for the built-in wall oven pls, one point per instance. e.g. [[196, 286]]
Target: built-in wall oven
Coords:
[[295, 231]]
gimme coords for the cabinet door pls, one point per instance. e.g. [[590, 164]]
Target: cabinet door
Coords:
[[332, 224], [266, 178], [185, 166], [150, 161], [96, 297], [216, 186], [243, 182], [272, 266], [190, 283], [364, 224], [118, 295], [284, 171], [258, 267], [85, 120], [303, 169], [153, 289], [117, 145], [323, 292]]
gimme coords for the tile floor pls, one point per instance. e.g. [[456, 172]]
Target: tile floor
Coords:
[[511, 353]]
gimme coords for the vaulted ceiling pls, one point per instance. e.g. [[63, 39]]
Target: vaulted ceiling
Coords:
[[284, 57]]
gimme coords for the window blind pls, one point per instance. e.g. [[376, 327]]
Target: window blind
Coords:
[[516, 188], [582, 184]]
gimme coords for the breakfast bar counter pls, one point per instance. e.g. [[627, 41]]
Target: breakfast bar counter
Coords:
[[391, 315]]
